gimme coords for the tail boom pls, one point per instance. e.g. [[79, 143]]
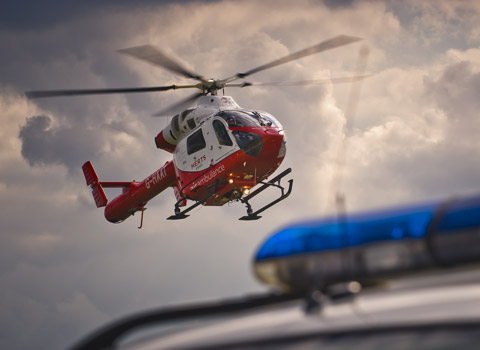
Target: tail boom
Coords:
[[135, 194]]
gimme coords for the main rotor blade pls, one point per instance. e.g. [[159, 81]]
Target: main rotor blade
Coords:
[[182, 104], [154, 56], [323, 46], [53, 93], [302, 82]]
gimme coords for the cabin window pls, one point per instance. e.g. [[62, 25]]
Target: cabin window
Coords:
[[222, 134], [195, 142]]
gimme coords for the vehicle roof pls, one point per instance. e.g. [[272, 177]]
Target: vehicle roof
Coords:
[[445, 297]]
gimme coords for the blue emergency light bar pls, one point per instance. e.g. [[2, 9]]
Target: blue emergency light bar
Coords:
[[366, 247]]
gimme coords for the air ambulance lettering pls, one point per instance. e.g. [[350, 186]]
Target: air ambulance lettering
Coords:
[[155, 178], [208, 177]]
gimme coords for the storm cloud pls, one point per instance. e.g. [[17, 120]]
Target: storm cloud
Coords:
[[43, 145], [413, 137]]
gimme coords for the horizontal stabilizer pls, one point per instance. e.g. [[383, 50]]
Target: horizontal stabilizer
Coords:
[[92, 181], [115, 184]]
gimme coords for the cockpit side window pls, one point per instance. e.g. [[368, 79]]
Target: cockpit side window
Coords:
[[195, 142], [222, 134], [249, 142]]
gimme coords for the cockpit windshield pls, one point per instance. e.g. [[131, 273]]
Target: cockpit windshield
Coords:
[[269, 119], [245, 118], [237, 118]]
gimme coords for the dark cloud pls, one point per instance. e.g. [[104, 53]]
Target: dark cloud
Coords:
[[27, 14], [61, 261], [338, 3], [43, 144]]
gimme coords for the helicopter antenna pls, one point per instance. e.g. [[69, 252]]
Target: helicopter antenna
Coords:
[[340, 197], [350, 111]]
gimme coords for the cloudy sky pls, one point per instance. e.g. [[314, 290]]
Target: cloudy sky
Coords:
[[411, 136]]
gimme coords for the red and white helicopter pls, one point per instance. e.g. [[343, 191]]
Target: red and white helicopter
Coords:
[[220, 150]]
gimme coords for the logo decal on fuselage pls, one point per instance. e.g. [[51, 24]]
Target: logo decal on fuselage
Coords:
[[198, 162]]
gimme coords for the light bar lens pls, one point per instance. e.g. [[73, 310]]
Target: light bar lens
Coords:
[[371, 245]]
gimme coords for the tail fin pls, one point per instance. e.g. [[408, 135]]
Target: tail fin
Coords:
[[92, 181]]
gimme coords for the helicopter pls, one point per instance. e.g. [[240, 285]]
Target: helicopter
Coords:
[[220, 150]]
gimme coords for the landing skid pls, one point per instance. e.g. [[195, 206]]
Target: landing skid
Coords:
[[251, 215], [179, 214]]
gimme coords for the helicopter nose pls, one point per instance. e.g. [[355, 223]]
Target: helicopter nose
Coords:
[[274, 144]]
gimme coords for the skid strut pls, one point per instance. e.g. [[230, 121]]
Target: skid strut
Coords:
[[182, 214], [275, 182]]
